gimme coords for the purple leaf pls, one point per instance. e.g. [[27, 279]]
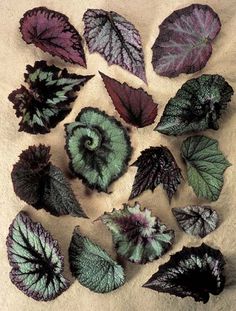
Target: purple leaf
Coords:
[[135, 106], [184, 42], [51, 32], [116, 39]]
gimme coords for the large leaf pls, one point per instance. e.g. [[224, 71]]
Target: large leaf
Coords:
[[135, 106], [36, 260], [51, 32], [92, 266], [156, 165], [205, 166], [99, 148], [184, 41], [197, 106], [116, 39], [194, 271], [138, 236]]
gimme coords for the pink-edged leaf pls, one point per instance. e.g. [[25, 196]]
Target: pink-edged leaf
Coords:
[[51, 32], [135, 106], [116, 39], [184, 41]]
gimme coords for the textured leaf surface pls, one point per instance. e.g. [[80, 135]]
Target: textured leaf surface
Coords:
[[116, 39], [194, 271], [135, 106], [156, 165], [197, 106], [41, 184], [92, 266], [51, 32], [184, 43], [196, 220], [205, 166], [47, 99], [138, 236], [36, 260], [98, 147]]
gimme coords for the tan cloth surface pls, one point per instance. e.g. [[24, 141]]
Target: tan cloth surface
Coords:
[[14, 55]]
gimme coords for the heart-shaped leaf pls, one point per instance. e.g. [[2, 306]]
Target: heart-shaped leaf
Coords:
[[184, 41]]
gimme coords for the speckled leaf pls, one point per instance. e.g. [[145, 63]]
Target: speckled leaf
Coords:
[[116, 39], [196, 220], [194, 271], [156, 165], [197, 106], [92, 266], [47, 99], [135, 106], [51, 32], [184, 43], [205, 166], [41, 184], [36, 260], [98, 147], [138, 236]]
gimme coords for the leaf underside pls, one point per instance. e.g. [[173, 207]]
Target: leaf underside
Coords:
[[35, 258], [205, 166], [92, 266], [194, 271], [184, 43], [116, 39]]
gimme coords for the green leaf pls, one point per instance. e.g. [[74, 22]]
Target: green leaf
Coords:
[[205, 166], [197, 106], [92, 266]]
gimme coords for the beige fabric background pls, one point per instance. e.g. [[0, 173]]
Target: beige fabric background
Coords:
[[14, 55]]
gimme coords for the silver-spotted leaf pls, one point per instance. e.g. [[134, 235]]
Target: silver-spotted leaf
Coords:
[[135, 106], [184, 43], [47, 99], [116, 39], [138, 236], [205, 166], [92, 266], [51, 32], [156, 165], [196, 220], [197, 106], [98, 147], [41, 184], [36, 260], [193, 271]]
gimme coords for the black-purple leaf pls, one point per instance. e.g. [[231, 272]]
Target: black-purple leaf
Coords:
[[116, 39], [156, 165], [51, 32]]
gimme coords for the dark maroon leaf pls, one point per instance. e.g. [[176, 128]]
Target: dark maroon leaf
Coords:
[[116, 39], [156, 165], [184, 41], [135, 106], [51, 32]]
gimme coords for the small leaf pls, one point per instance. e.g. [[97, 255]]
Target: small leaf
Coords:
[[98, 147], [135, 106], [196, 220], [184, 42], [116, 39], [156, 165], [51, 32], [36, 260], [197, 106], [194, 271], [205, 166], [47, 101], [137, 235], [92, 266], [43, 185]]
